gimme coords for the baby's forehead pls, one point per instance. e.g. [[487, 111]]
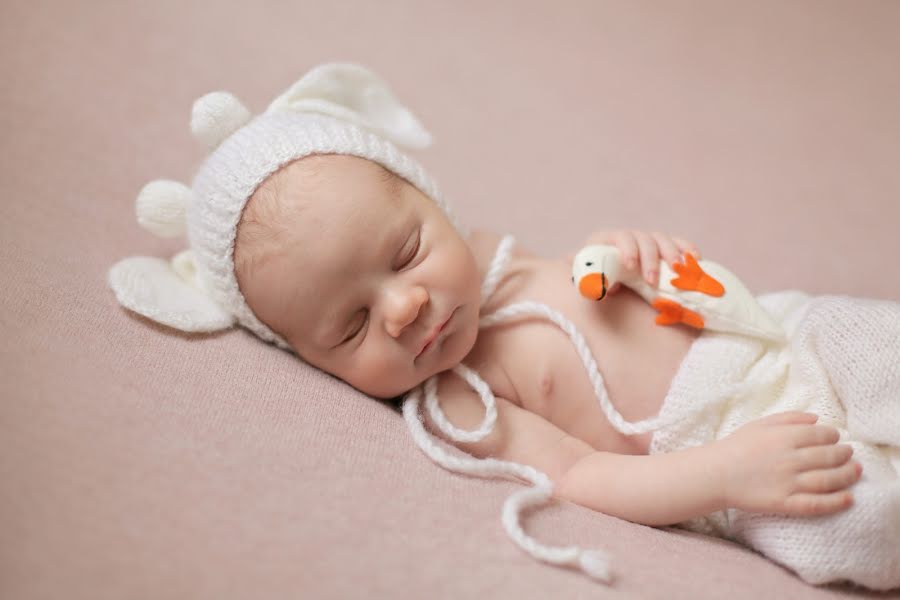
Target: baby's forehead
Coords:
[[325, 258], [325, 199], [317, 184]]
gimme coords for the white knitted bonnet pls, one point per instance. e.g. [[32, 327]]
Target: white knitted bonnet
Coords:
[[335, 108]]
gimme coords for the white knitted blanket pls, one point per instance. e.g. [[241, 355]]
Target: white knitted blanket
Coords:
[[843, 363]]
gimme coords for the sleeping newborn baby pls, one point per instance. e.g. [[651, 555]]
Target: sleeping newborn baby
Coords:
[[389, 295], [309, 227]]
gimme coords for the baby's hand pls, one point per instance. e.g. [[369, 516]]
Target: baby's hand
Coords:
[[642, 250], [786, 464]]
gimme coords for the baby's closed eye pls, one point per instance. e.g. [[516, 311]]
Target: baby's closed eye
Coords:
[[358, 324], [410, 249]]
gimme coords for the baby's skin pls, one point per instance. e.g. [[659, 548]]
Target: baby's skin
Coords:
[[367, 279]]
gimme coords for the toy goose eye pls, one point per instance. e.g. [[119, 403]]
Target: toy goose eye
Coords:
[[589, 263]]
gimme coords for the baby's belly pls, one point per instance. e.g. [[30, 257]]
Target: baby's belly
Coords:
[[537, 366]]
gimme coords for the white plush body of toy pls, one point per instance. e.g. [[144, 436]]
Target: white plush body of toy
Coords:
[[701, 294]]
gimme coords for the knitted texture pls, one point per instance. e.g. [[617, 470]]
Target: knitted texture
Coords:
[[335, 108], [242, 162], [843, 364], [594, 563]]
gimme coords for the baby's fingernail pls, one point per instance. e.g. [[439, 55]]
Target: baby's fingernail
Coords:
[[651, 277]]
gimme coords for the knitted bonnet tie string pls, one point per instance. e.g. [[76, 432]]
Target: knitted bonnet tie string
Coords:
[[595, 563]]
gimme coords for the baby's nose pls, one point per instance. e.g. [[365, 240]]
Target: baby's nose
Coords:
[[402, 308]]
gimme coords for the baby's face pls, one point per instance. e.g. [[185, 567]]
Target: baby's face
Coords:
[[364, 272]]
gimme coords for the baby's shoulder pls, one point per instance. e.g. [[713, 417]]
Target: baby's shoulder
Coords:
[[483, 243]]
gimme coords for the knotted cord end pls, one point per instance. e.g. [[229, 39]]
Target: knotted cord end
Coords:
[[596, 564]]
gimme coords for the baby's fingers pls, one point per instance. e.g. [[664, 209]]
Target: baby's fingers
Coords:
[[823, 457], [788, 417], [814, 435], [822, 481], [686, 246], [649, 252], [667, 248], [818, 504], [628, 246]]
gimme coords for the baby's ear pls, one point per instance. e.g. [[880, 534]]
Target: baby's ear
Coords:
[[167, 292], [353, 93]]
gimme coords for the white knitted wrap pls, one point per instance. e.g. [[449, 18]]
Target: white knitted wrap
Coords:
[[842, 363]]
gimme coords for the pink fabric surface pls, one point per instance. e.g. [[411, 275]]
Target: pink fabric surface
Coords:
[[139, 463]]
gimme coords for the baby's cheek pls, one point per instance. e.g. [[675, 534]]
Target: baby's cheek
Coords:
[[375, 373], [457, 268]]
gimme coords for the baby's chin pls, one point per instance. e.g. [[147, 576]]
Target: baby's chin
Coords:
[[455, 349]]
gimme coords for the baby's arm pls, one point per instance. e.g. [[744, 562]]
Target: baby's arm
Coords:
[[782, 464], [519, 435]]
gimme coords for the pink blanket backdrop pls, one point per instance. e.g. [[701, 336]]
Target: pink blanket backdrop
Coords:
[[138, 463]]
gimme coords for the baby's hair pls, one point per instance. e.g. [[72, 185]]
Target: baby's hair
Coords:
[[392, 180], [260, 227], [264, 221]]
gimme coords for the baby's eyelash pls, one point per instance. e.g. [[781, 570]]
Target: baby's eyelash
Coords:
[[415, 250], [412, 255], [356, 332]]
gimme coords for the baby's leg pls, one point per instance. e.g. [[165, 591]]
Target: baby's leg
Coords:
[[861, 544], [857, 342], [850, 346]]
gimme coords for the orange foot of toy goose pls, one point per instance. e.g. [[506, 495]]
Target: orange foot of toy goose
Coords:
[[671, 313], [692, 277]]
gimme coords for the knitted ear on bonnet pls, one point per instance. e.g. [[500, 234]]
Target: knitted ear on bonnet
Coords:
[[335, 108]]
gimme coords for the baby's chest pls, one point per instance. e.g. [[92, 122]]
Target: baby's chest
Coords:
[[535, 364]]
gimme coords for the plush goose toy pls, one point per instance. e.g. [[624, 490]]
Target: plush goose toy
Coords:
[[700, 294]]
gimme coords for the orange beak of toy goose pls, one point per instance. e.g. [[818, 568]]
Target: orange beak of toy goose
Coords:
[[593, 286]]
